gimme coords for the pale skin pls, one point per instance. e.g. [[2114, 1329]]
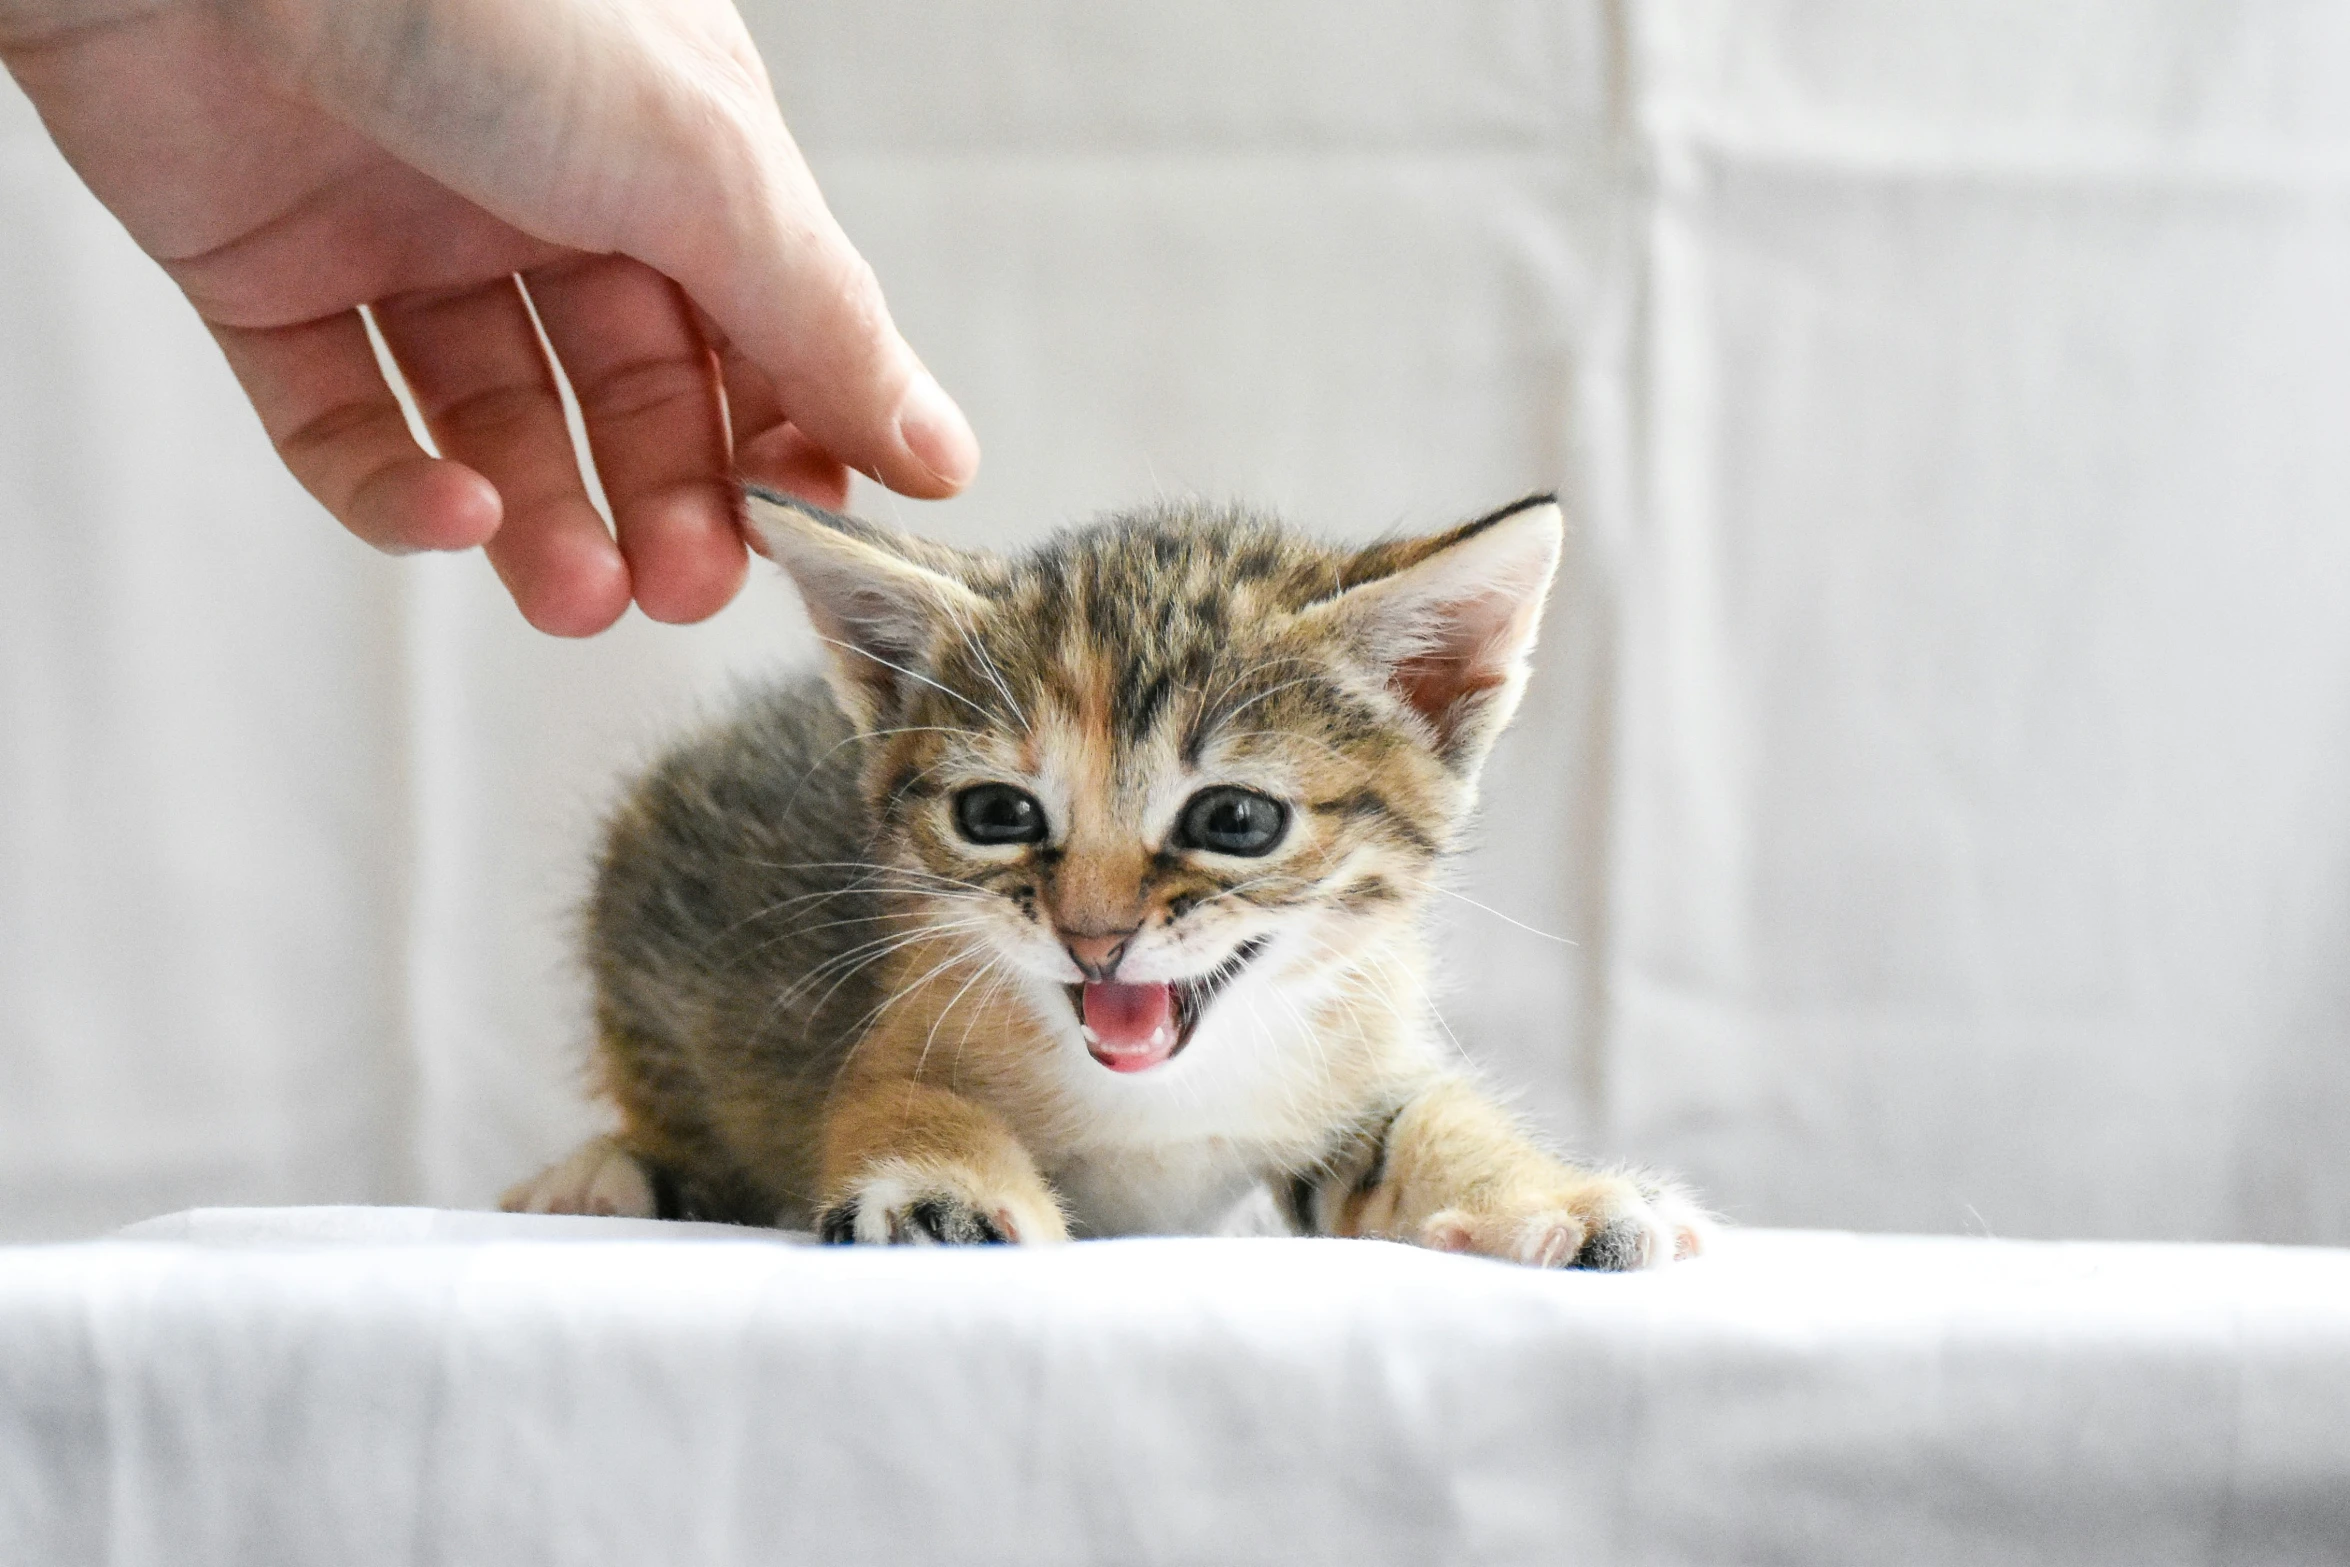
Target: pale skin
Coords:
[[288, 161]]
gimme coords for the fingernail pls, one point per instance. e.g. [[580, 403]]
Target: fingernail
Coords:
[[935, 431]]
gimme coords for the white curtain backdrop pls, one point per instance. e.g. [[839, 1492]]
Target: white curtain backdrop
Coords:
[[1940, 756]]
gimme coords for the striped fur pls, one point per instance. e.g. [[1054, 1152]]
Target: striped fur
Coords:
[[819, 1004]]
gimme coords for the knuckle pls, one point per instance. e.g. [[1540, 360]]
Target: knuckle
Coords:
[[332, 427], [489, 409], [641, 386]]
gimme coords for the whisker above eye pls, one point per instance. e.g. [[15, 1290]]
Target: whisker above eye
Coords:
[[987, 664], [1241, 677], [792, 800], [910, 674], [1360, 767], [1265, 695]]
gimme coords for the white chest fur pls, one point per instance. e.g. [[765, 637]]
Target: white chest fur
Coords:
[[1259, 1088], [1172, 1189]]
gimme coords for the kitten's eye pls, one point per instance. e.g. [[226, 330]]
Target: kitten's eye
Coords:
[[998, 813], [1232, 821]]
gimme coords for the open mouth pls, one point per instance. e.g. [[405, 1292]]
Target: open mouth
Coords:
[[1132, 1028]]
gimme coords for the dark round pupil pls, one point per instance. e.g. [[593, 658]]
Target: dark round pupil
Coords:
[[998, 813], [1233, 821], [1004, 812]]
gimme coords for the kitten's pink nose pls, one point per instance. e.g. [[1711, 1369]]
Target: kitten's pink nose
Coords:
[[1097, 956]]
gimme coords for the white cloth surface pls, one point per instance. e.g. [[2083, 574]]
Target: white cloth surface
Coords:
[[1938, 749], [362, 1386]]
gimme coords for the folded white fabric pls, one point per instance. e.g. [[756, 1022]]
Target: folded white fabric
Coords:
[[360, 1386]]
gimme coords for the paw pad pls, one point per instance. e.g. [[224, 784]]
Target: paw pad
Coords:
[[1620, 1246]]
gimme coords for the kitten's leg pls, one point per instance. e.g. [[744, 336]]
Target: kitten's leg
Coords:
[[599, 1176], [1451, 1170], [908, 1164]]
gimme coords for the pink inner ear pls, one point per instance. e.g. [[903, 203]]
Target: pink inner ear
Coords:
[[1436, 684], [1470, 657]]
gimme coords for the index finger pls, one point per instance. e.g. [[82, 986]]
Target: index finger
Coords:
[[781, 280]]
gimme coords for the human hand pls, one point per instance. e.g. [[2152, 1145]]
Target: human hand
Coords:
[[289, 160]]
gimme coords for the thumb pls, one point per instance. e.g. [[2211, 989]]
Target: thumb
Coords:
[[774, 272]]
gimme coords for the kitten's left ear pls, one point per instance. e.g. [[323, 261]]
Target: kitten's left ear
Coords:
[[1450, 619]]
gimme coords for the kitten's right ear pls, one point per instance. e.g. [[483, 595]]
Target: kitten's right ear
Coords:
[[877, 598]]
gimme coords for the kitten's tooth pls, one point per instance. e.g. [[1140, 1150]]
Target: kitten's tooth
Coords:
[[1092, 1037]]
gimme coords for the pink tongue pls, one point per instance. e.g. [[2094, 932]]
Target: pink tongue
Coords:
[[1130, 1027]]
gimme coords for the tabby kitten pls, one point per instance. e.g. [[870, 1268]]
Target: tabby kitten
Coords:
[[1088, 898]]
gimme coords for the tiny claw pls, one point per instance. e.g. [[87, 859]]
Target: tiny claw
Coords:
[[1555, 1246], [1447, 1232]]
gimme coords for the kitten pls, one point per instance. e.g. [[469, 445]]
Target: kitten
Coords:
[[1089, 898]]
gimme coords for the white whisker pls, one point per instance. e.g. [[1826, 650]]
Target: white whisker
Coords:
[[1530, 930], [910, 674]]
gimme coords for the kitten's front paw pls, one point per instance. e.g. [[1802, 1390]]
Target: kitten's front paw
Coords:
[[898, 1205], [1610, 1223], [599, 1177]]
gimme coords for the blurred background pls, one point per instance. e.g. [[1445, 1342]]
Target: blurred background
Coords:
[[1939, 758]]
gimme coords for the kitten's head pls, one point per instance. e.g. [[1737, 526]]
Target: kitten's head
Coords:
[[1164, 750]]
